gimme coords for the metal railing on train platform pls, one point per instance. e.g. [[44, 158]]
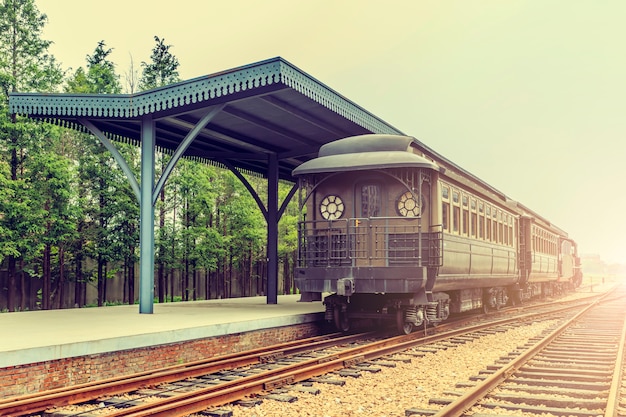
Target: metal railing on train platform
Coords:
[[380, 241]]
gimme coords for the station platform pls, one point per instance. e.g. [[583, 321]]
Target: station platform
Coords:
[[39, 336]]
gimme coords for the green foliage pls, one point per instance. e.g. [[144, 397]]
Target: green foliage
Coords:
[[7, 195], [163, 68], [288, 225], [64, 199], [100, 76], [25, 64]]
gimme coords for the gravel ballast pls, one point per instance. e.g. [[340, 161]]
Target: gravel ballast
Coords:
[[392, 391]]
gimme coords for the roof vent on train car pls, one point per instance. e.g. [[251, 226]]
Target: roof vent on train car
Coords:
[[365, 152]]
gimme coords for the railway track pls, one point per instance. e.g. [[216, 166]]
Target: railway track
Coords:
[[197, 386], [575, 370]]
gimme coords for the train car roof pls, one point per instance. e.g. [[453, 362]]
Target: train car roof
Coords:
[[365, 152]]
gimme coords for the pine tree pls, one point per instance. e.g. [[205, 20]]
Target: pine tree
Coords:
[[163, 68], [101, 180], [25, 66]]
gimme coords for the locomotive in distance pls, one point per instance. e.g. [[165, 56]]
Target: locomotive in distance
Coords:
[[394, 231]]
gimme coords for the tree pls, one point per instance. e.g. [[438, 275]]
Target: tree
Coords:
[[24, 66], [245, 230], [202, 246], [163, 68], [101, 180], [101, 74], [288, 238], [50, 176]]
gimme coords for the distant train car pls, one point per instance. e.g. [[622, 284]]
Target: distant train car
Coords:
[[396, 232], [549, 261]]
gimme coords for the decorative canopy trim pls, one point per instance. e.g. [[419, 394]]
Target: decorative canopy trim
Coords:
[[202, 89]]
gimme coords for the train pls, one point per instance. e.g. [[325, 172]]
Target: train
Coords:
[[394, 232]]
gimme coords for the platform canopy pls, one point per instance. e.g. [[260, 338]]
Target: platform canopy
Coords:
[[267, 117]]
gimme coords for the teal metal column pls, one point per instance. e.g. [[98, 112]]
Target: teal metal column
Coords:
[[146, 218], [272, 230]]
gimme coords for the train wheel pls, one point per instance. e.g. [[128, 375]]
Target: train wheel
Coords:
[[517, 298], [342, 322], [404, 327], [486, 308]]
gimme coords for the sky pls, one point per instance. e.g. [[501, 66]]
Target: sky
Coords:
[[529, 96]]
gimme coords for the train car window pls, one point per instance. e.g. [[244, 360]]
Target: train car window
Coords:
[[465, 224], [331, 207], [473, 205], [495, 230], [537, 245], [455, 197], [481, 227], [445, 215], [505, 223], [409, 205], [473, 225], [370, 201], [456, 214], [445, 193], [465, 217]]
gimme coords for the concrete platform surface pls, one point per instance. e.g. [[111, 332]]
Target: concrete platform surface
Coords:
[[35, 336]]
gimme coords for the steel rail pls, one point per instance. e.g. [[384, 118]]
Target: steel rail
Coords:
[[469, 399], [36, 402], [191, 402], [32, 403], [616, 381]]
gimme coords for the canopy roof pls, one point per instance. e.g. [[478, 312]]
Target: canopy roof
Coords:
[[271, 107]]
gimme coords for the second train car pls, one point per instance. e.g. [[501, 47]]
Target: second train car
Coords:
[[394, 231]]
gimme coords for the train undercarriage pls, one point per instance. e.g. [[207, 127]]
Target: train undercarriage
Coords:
[[408, 314]]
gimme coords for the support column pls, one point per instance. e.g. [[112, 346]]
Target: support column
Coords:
[[272, 230], [146, 218]]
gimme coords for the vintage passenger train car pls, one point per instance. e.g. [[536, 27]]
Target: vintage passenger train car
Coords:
[[397, 232]]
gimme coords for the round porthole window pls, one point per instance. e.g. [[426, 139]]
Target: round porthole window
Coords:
[[408, 205], [331, 207]]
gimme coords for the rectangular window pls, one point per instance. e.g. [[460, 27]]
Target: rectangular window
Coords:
[[481, 227], [474, 224], [456, 214], [494, 228], [445, 215], [370, 201], [445, 193], [488, 234], [465, 224]]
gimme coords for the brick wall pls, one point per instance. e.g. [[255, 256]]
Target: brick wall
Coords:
[[43, 376]]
